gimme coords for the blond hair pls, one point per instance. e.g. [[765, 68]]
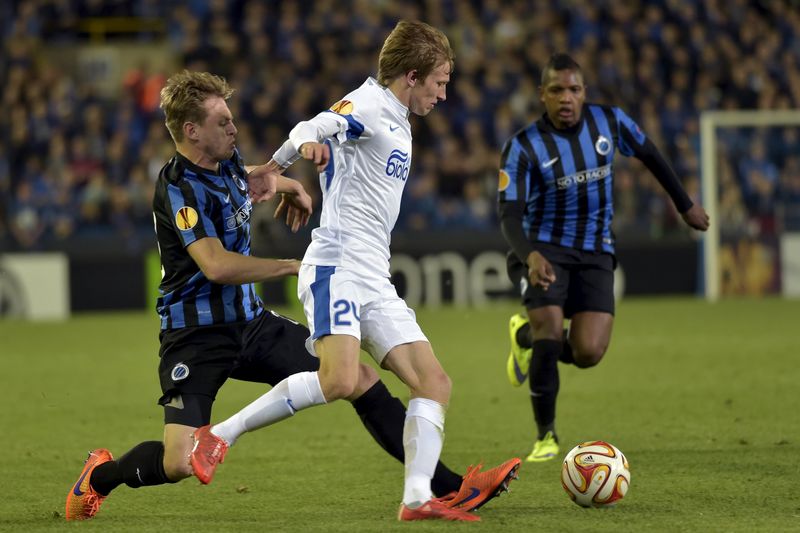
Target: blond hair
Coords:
[[413, 45], [183, 96]]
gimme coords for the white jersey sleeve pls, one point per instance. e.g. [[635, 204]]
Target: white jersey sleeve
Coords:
[[370, 141], [329, 124]]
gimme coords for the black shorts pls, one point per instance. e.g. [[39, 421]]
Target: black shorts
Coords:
[[196, 362], [584, 280]]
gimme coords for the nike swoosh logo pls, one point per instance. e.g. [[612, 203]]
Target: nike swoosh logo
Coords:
[[475, 492], [77, 490], [550, 163], [393, 129], [518, 371]]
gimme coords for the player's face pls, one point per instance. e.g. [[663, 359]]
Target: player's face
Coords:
[[217, 134], [430, 91], [563, 97]]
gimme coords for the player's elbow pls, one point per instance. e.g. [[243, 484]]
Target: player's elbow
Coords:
[[219, 268], [215, 272]]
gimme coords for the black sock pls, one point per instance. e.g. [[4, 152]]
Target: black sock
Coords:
[[566, 351], [384, 417], [524, 337], [544, 383], [142, 466]]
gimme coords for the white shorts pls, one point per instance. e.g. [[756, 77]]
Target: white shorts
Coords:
[[338, 301]]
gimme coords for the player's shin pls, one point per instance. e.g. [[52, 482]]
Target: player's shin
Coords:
[[384, 416], [423, 437], [295, 393], [142, 466], [544, 383]]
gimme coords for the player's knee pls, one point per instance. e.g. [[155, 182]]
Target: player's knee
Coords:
[[588, 356], [437, 385], [337, 389]]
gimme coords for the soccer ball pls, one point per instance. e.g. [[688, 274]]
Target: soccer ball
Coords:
[[595, 474]]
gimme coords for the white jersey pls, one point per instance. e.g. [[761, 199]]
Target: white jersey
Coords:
[[370, 141]]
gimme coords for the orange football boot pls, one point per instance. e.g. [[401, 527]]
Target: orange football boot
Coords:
[[435, 510], [83, 501], [480, 487], [208, 451]]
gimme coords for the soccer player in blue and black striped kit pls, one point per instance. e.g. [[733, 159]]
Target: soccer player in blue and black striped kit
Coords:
[[556, 207]]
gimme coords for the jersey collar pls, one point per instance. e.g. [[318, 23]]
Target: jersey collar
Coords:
[[549, 126], [396, 104], [197, 169]]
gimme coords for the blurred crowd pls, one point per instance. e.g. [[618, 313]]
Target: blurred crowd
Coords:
[[75, 162]]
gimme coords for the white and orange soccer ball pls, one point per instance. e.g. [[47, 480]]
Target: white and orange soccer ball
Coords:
[[595, 474]]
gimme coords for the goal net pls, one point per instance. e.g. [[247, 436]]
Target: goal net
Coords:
[[751, 190]]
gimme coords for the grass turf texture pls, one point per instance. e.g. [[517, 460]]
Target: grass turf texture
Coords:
[[703, 400]]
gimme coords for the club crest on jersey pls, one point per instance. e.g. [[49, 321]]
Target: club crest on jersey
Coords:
[[241, 216], [397, 165], [342, 107], [503, 181], [602, 145], [240, 184], [186, 218], [179, 372]]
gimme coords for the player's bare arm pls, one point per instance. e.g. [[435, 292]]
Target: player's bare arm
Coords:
[[540, 271], [224, 267], [696, 217]]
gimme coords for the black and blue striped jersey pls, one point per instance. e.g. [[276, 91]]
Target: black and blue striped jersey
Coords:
[[565, 177], [191, 203]]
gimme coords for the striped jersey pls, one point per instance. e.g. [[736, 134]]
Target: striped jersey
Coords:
[[369, 136], [565, 177], [191, 203]]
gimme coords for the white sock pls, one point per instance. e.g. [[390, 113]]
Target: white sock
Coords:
[[423, 436], [293, 394]]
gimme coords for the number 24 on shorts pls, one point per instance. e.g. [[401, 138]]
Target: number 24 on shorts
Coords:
[[343, 308]]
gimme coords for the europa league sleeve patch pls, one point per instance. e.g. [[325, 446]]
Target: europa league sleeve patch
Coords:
[[343, 107], [186, 218], [504, 180]]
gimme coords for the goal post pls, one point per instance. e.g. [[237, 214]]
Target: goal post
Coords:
[[710, 123]]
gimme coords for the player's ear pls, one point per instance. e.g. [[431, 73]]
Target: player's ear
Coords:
[[412, 76], [190, 131]]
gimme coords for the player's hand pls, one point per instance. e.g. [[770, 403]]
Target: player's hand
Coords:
[[296, 207], [540, 271], [317, 153], [262, 183], [696, 217]]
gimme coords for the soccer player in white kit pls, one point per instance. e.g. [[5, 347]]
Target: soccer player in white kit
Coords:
[[362, 147]]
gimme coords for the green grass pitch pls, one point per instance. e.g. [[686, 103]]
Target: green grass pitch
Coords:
[[703, 399]]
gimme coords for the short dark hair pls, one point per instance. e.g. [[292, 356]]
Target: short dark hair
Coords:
[[560, 61]]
